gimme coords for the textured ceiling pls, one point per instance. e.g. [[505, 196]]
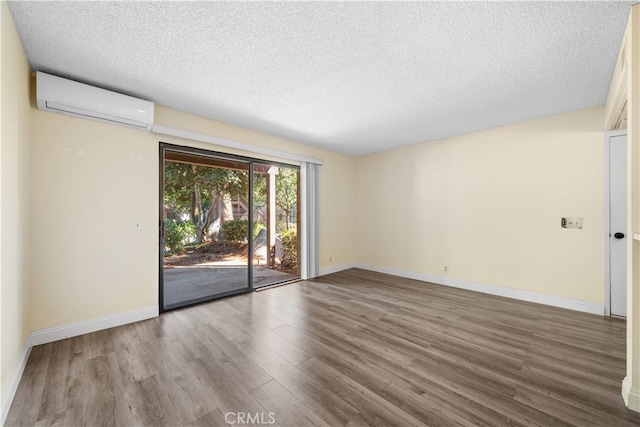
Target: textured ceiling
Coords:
[[351, 77]]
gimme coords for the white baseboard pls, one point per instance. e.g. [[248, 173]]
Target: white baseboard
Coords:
[[7, 397], [47, 335], [630, 396], [555, 301], [336, 268]]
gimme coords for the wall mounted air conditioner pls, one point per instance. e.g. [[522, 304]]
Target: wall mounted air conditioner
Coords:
[[64, 96]]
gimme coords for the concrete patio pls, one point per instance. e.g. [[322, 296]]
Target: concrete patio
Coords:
[[191, 283]]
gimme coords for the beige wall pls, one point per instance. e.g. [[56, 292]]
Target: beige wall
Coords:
[[91, 181], [488, 205], [631, 385], [15, 135]]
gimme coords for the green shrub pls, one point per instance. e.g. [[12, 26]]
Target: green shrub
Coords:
[[281, 226], [289, 241], [257, 228], [236, 230], [177, 234]]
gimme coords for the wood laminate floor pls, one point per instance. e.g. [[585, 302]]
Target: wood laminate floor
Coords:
[[353, 348]]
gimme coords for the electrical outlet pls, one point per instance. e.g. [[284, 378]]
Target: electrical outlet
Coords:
[[446, 268], [330, 258], [137, 225]]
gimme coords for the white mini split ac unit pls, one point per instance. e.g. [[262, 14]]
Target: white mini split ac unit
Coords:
[[64, 96]]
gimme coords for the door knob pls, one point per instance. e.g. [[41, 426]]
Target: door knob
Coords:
[[619, 235]]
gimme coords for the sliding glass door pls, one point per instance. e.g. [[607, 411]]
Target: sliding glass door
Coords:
[[215, 210], [276, 195], [204, 231]]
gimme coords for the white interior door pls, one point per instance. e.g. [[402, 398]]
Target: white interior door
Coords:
[[618, 233]]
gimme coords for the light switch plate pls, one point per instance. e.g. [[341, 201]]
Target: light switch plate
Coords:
[[571, 222]]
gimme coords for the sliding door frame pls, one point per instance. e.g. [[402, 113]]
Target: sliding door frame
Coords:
[[251, 162], [298, 169]]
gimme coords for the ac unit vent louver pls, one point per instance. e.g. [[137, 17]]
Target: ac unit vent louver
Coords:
[[63, 96]]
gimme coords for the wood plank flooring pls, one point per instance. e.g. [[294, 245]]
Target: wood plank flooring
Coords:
[[354, 348]]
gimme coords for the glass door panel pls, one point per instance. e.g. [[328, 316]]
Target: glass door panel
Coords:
[[205, 203], [276, 195]]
